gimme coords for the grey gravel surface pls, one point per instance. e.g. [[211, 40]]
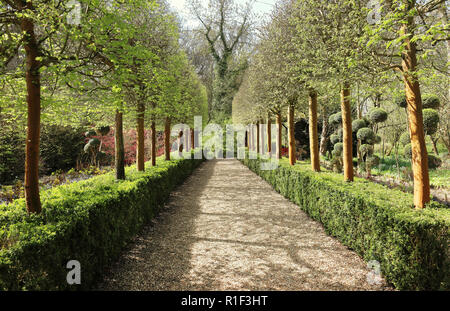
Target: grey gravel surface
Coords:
[[227, 229]]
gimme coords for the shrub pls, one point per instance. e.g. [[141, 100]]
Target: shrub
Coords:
[[358, 124], [434, 162], [103, 130], [89, 221], [378, 115], [430, 121], [405, 139], [366, 135], [338, 148], [366, 149], [334, 139], [378, 223], [407, 151], [431, 102], [60, 147], [401, 101], [336, 119], [12, 155]]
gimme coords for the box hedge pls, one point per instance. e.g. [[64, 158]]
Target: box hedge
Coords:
[[89, 221], [378, 223]]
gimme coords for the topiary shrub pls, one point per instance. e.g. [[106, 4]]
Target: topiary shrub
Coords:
[[340, 133], [430, 121], [103, 130], [434, 162], [401, 102], [366, 135], [405, 139], [91, 133], [407, 151], [378, 115], [338, 148], [366, 150], [336, 119], [334, 139], [60, 147], [431, 102], [358, 124], [378, 139]]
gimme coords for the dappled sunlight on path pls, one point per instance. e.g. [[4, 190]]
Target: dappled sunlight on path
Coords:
[[226, 229]]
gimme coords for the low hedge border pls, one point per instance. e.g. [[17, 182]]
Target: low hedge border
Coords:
[[378, 223], [89, 221]]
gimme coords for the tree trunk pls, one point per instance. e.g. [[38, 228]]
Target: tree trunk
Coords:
[[192, 139], [167, 139], [313, 135], [119, 147], [347, 131], [415, 119], [269, 134], [263, 139], [153, 130], [435, 148], [258, 138], [324, 137], [280, 135], [140, 138], [33, 81], [292, 158]]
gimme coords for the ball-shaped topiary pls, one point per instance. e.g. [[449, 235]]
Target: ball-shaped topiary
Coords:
[[407, 151], [91, 133], [366, 149], [337, 118], [430, 121], [103, 130], [338, 148], [378, 115], [378, 139], [373, 161], [334, 139], [358, 124], [434, 162], [431, 102], [366, 135], [405, 139], [340, 133], [401, 102]]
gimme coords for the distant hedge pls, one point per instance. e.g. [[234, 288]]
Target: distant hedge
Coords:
[[378, 223], [89, 221]]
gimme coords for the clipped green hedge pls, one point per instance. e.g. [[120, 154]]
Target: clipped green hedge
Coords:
[[89, 221], [378, 223]]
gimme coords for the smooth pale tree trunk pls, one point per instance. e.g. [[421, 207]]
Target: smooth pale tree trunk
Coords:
[[250, 137], [280, 135], [119, 147], [258, 138], [192, 139], [324, 138], [167, 139], [33, 81], [269, 133], [263, 139], [415, 119], [347, 131], [140, 138], [292, 158], [313, 135], [153, 130]]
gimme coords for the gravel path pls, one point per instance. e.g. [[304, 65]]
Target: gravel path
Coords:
[[226, 229]]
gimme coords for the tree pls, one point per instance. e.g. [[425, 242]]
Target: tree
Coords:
[[227, 41]]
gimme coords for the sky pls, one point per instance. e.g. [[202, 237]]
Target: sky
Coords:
[[261, 7]]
